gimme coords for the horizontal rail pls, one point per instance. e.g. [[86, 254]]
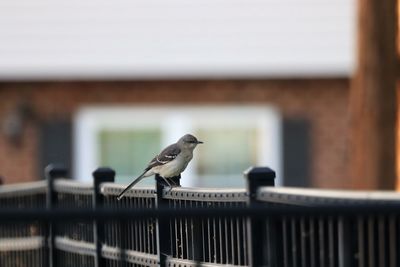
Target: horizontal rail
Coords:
[[74, 246], [307, 197], [72, 187], [23, 189], [206, 194], [173, 262], [167, 213], [111, 189], [21, 243], [131, 256]]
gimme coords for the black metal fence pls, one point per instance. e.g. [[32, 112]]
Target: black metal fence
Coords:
[[59, 222]]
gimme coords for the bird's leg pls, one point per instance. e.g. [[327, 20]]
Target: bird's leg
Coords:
[[166, 180], [175, 180], [172, 182]]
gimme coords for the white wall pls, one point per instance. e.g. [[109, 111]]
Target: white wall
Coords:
[[176, 38]]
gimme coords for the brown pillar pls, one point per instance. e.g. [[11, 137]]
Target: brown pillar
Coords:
[[372, 163]]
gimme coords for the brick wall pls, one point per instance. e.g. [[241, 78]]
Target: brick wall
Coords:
[[321, 101]]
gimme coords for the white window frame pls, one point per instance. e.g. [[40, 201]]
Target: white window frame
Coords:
[[90, 120]]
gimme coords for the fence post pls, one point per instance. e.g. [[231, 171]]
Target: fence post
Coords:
[[52, 172], [163, 234], [100, 175], [257, 177]]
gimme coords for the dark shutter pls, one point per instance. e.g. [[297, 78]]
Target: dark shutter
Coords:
[[296, 152], [55, 144]]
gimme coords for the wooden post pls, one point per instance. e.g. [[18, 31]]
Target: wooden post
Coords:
[[373, 98]]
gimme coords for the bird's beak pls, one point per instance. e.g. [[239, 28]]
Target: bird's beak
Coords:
[[199, 142]]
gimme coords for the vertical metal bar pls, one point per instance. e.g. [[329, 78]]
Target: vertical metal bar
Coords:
[[144, 226], [331, 244], [192, 234], [392, 241], [238, 242], [128, 233], [106, 223], [285, 243], [371, 241], [312, 242], [178, 233], [36, 257], [209, 237], [321, 234], [145, 240], [361, 242], [101, 175], [303, 236], [123, 232], [220, 236], [245, 240], [171, 230], [234, 256], [344, 239], [186, 234], [203, 230], [176, 239], [227, 255], [136, 225], [154, 224], [214, 224], [114, 225], [381, 240], [181, 232], [150, 228], [39, 257], [294, 241], [140, 227]]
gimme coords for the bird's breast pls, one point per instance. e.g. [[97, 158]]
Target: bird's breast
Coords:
[[176, 166]]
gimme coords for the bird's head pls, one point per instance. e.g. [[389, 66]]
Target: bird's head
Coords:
[[189, 141]]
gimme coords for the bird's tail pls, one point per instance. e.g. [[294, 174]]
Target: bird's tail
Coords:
[[137, 180]]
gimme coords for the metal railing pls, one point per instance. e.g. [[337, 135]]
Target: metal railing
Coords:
[[60, 222], [141, 248], [23, 243], [336, 239], [217, 240]]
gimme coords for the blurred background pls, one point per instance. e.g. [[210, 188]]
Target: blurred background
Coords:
[[89, 83]]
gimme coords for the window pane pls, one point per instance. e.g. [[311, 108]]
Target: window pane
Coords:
[[128, 151], [225, 155]]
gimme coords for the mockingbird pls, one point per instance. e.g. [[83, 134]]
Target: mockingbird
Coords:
[[171, 162]]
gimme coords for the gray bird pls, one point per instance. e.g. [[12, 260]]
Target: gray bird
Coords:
[[171, 162]]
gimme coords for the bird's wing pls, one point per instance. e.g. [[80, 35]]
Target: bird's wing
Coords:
[[167, 155]]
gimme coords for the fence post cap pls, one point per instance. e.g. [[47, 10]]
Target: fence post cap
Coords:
[[56, 170], [259, 173], [257, 177], [104, 174]]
